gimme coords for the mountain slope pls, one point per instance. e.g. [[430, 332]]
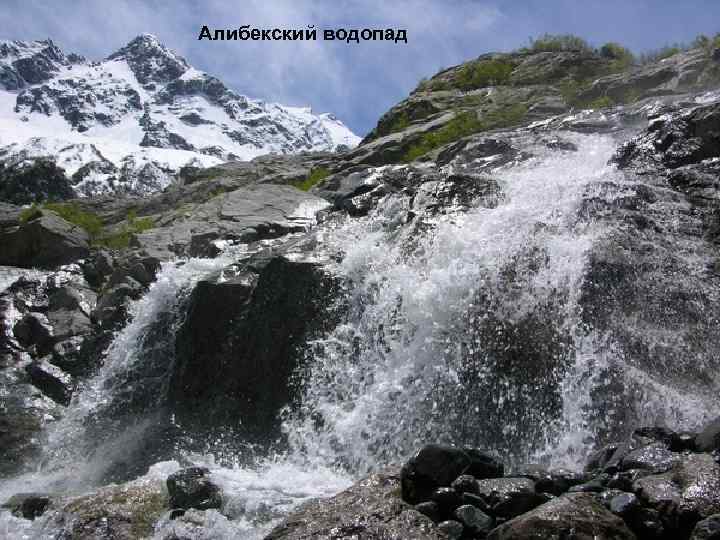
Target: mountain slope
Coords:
[[131, 121]]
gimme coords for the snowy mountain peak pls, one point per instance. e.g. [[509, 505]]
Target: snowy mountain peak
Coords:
[[144, 108], [24, 63], [150, 60]]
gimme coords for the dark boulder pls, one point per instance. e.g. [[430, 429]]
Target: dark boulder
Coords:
[[28, 505], [34, 330], [50, 384], [47, 241], [433, 466], [191, 488], [242, 339], [476, 522], [709, 438], [453, 530], [576, 515]]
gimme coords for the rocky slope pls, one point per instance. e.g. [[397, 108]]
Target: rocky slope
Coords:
[[129, 122], [525, 264]]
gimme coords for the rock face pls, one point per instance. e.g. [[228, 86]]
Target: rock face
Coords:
[[242, 339], [45, 241], [370, 509]]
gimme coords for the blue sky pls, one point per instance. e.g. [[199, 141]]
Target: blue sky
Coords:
[[356, 82]]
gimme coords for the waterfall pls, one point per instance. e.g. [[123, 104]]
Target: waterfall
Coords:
[[461, 327]]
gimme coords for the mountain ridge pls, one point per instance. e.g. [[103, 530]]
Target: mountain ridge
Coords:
[[128, 123]]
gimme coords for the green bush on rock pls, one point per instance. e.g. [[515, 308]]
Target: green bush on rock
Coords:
[[315, 177]]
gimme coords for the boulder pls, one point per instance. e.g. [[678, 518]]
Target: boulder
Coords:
[[28, 505], [475, 521], [50, 381], [707, 529], [433, 466], [685, 494], [191, 488], [575, 515], [656, 458], [47, 241], [371, 508], [242, 339]]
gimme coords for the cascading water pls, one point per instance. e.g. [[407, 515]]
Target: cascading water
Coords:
[[463, 327]]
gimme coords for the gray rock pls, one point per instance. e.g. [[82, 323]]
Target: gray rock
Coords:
[[624, 504], [692, 488], [474, 520], [707, 529], [656, 458], [578, 515], [47, 241], [371, 508]]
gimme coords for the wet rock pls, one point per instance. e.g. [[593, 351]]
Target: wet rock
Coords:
[[34, 330], [431, 467], [624, 504], [707, 529], [430, 509], [504, 490], [687, 493], [576, 515], [465, 483], [47, 241], [483, 465], [475, 500], [97, 268], [191, 488], [558, 481], [118, 512], [709, 438], [242, 339], [451, 529], [372, 508], [656, 458], [28, 505], [447, 500], [51, 384], [474, 520], [518, 503]]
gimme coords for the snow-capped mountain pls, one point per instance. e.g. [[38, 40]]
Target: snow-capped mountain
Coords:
[[131, 121]]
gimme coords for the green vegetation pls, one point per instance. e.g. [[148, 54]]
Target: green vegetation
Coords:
[[621, 57], [35, 181], [656, 55], [121, 238], [28, 214], [559, 43], [72, 213], [485, 73], [92, 224], [601, 103], [463, 124], [399, 123], [314, 178]]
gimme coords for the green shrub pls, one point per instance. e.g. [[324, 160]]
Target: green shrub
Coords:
[[621, 57], [72, 213], [485, 73], [559, 43], [121, 239], [462, 125], [315, 177]]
